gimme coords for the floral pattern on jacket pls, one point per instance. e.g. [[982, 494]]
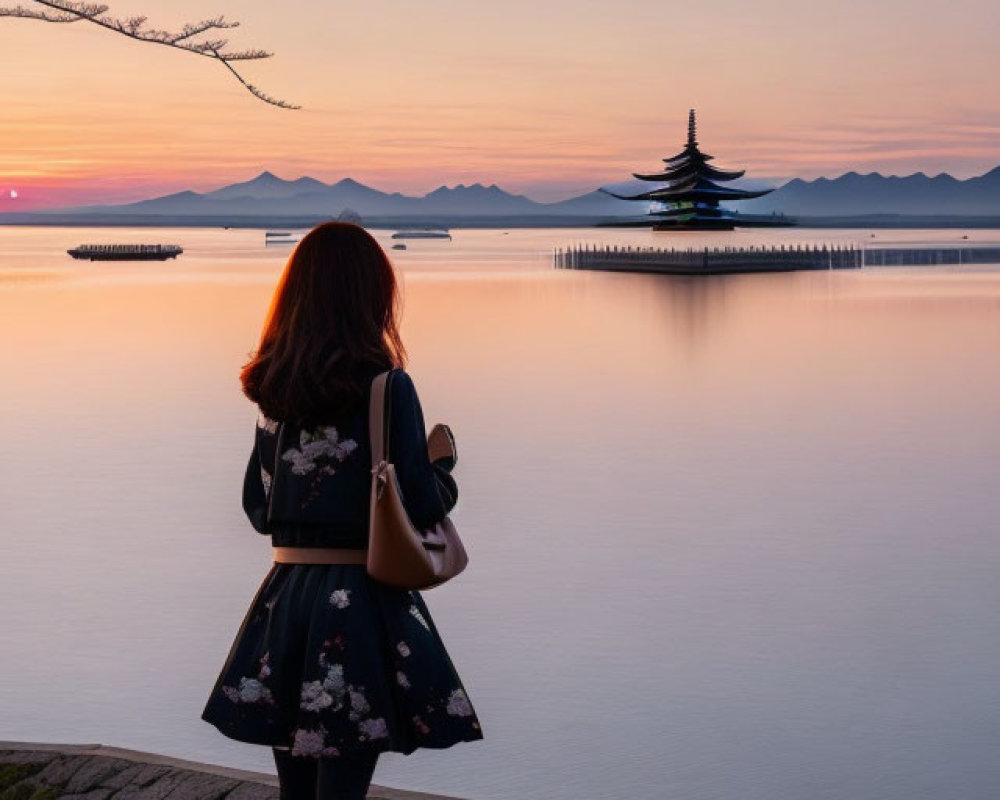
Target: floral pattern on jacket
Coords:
[[319, 452], [318, 449], [308, 486]]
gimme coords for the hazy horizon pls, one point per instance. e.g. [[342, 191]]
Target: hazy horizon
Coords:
[[148, 193]]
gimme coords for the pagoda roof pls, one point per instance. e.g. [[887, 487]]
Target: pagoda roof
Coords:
[[695, 189], [689, 178], [686, 170], [691, 151]]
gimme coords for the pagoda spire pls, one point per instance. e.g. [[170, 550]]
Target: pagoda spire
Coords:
[[692, 129]]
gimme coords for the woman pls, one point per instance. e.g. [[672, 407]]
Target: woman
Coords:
[[329, 667]]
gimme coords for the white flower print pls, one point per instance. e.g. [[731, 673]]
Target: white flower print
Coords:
[[359, 703], [265, 669], [459, 705], [334, 680], [266, 424], [317, 446], [265, 479], [403, 649], [250, 690], [312, 743], [402, 680], [314, 697], [415, 613], [340, 598], [374, 728]]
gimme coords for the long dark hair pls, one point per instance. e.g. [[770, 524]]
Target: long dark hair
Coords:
[[333, 322]]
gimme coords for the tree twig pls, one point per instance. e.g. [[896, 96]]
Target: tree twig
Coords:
[[136, 28]]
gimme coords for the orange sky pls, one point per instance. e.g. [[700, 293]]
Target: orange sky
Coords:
[[547, 98]]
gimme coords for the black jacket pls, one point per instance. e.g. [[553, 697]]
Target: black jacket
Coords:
[[317, 493]]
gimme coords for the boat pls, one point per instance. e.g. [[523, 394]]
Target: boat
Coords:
[[125, 252], [399, 246], [282, 237], [423, 233]]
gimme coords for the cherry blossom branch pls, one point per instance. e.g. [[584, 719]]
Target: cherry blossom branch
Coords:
[[136, 28]]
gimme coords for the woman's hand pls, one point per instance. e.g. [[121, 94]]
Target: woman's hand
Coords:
[[441, 446]]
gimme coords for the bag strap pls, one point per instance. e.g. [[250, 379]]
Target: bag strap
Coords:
[[379, 411]]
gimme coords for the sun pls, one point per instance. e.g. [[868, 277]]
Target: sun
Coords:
[[13, 194]]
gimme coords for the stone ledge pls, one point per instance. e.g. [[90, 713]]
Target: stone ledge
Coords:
[[37, 771]]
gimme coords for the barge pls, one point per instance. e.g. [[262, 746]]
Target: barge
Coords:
[[423, 233], [125, 252], [282, 237]]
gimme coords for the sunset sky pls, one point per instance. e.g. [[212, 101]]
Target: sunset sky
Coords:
[[545, 97]]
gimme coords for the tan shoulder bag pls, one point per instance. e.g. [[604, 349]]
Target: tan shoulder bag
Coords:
[[399, 555]]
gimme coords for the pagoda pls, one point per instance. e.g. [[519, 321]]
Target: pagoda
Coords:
[[690, 199]]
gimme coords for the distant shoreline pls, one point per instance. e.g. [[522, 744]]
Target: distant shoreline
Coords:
[[55, 219]]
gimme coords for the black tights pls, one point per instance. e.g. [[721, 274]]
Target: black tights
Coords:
[[308, 778]]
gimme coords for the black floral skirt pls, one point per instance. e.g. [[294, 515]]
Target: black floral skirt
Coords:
[[329, 662]]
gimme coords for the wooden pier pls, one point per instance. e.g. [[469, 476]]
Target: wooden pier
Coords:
[[732, 260]]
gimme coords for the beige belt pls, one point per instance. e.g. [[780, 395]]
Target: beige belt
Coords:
[[319, 555]]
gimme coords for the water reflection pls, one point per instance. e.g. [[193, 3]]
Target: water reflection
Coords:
[[694, 306], [731, 538]]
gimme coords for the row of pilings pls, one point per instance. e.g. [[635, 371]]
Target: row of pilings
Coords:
[[781, 258], [929, 256], [708, 259]]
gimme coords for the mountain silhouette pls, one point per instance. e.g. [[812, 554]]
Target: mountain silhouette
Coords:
[[267, 186], [854, 194], [851, 194], [269, 195]]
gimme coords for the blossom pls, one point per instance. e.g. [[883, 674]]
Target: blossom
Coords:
[[322, 444], [250, 690], [314, 697], [265, 479], [458, 704], [403, 649], [334, 680], [359, 703], [374, 728], [312, 743], [402, 680], [340, 598]]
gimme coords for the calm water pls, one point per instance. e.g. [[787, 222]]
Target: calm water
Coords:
[[732, 539]]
